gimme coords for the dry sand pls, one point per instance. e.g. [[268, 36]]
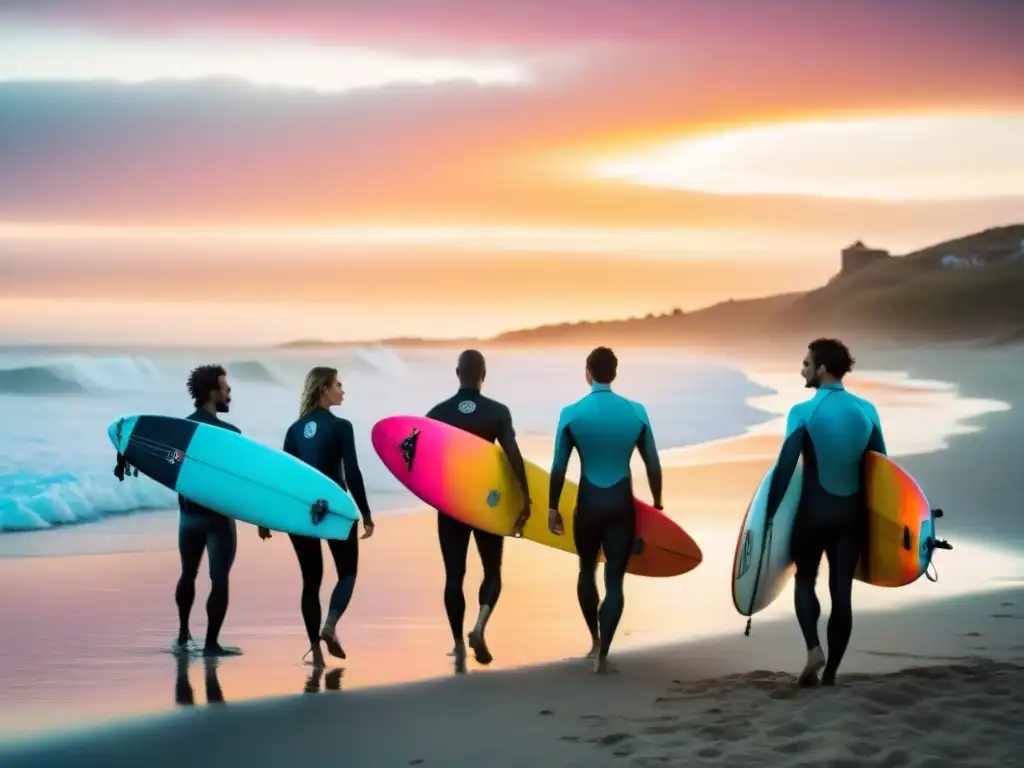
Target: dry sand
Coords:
[[931, 677]]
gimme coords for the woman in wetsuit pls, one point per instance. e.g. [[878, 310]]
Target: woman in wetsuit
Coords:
[[326, 442]]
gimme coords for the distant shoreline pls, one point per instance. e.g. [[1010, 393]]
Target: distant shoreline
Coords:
[[918, 298]]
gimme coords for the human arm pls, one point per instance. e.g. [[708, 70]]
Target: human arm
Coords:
[[877, 440], [785, 465], [564, 443], [507, 441], [350, 466], [649, 453]]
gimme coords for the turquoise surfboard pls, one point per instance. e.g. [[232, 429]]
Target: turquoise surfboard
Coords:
[[236, 476]]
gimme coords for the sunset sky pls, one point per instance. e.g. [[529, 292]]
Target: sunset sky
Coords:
[[258, 171]]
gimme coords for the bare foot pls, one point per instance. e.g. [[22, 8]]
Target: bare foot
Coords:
[[815, 662], [459, 652], [330, 639], [602, 666], [183, 647], [318, 657], [215, 649], [480, 652], [595, 648]]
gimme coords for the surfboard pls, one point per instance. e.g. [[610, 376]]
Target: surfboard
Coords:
[[900, 537], [470, 480], [762, 564], [233, 475]]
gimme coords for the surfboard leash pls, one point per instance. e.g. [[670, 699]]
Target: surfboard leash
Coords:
[[757, 574]]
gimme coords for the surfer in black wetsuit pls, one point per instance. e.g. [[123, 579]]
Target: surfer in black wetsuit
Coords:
[[200, 528], [327, 443], [470, 411]]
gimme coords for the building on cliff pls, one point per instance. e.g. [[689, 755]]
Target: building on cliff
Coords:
[[858, 256]]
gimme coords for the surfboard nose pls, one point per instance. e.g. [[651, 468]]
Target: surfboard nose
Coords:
[[120, 430], [387, 432]]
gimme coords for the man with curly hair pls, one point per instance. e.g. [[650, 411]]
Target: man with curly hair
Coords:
[[202, 529], [833, 431]]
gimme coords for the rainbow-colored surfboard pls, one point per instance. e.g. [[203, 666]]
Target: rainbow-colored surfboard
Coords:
[[470, 480], [901, 526]]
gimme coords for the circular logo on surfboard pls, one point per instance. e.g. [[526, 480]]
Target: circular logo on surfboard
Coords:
[[746, 553], [309, 430], [467, 406], [492, 499]]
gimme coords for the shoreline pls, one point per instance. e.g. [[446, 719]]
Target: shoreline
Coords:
[[682, 703], [757, 441]]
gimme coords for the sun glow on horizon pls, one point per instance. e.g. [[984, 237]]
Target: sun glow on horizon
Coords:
[[922, 158], [48, 56], [669, 242]]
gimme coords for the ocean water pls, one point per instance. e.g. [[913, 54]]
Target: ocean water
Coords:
[[56, 463]]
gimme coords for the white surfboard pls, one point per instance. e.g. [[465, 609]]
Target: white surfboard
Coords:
[[762, 564]]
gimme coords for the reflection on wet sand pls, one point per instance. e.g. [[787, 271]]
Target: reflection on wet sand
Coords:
[[183, 693], [331, 679]]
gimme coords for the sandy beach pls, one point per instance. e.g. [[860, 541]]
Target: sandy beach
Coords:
[[931, 678]]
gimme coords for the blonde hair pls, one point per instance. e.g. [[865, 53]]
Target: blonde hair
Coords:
[[316, 380]]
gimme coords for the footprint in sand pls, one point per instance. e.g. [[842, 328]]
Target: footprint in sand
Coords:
[[613, 738], [794, 747], [661, 730], [1003, 616], [863, 749], [973, 634], [789, 730]]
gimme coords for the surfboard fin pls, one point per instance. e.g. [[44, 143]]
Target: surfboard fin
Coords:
[[408, 448], [318, 511], [937, 513]]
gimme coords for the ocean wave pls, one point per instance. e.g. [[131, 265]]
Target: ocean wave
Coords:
[[56, 461], [253, 371], [76, 374], [30, 501]]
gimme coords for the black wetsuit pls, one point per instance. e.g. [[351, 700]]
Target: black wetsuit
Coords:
[[832, 431], [199, 529], [327, 442], [472, 412], [605, 429]]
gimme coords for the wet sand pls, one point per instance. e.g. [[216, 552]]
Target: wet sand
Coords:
[[86, 643]]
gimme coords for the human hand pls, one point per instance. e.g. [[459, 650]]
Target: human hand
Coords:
[[524, 515], [555, 523], [367, 530]]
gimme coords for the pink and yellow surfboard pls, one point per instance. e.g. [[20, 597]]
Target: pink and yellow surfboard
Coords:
[[470, 480]]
